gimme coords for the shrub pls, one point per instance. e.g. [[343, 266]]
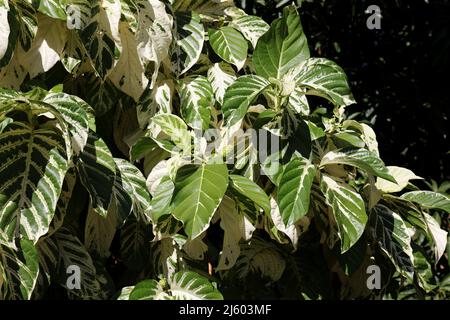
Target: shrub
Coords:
[[185, 149]]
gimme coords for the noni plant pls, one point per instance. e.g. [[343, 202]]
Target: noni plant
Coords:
[[183, 149]]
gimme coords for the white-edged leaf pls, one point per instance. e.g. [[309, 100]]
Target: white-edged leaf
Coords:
[[360, 158], [189, 41], [197, 99], [221, 76], [252, 27], [429, 199], [245, 187], [175, 128], [348, 209], [281, 48], [4, 29], [148, 290], [47, 46], [326, 79], [188, 285], [19, 269], [101, 36], [240, 95], [97, 172], [393, 238], [401, 175], [129, 73], [72, 252], [260, 256], [438, 236], [294, 189], [229, 44], [198, 192], [74, 115], [33, 163]]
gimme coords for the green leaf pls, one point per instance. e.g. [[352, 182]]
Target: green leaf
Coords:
[[401, 175], [74, 115], [198, 192], [33, 165], [196, 98], [19, 269], [189, 41], [429, 199], [252, 27], [160, 204], [141, 147], [240, 95], [348, 209], [393, 238], [221, 76], [326, 79], [175, 128], [360, 158], [294, 189], [249, 189], [134, 185], [148, 290], [188, 285], [281, 48], [230, 45], [53, 8], [97, 171]]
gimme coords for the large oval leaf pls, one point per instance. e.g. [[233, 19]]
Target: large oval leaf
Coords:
[[249, 189], [360, 158], [229, 44], [188, 285], [281, 48], [294, 189], [240, 94], [197, 98], [348, 208], [33, 166], [326, 79], [189, 42], [252, 27], [393, 237], [429, 199], [198, 192]]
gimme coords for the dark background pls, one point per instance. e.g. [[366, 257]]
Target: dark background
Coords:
[[399, 74]]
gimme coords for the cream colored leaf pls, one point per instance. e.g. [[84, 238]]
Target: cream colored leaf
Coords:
[[47, 47], [401, 175], [128, 75]]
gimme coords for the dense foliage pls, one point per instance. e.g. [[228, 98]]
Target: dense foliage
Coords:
[[170, 150], [395, 72]]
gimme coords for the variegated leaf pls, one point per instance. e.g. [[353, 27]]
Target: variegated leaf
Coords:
[[33, 166], [197, 98]]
